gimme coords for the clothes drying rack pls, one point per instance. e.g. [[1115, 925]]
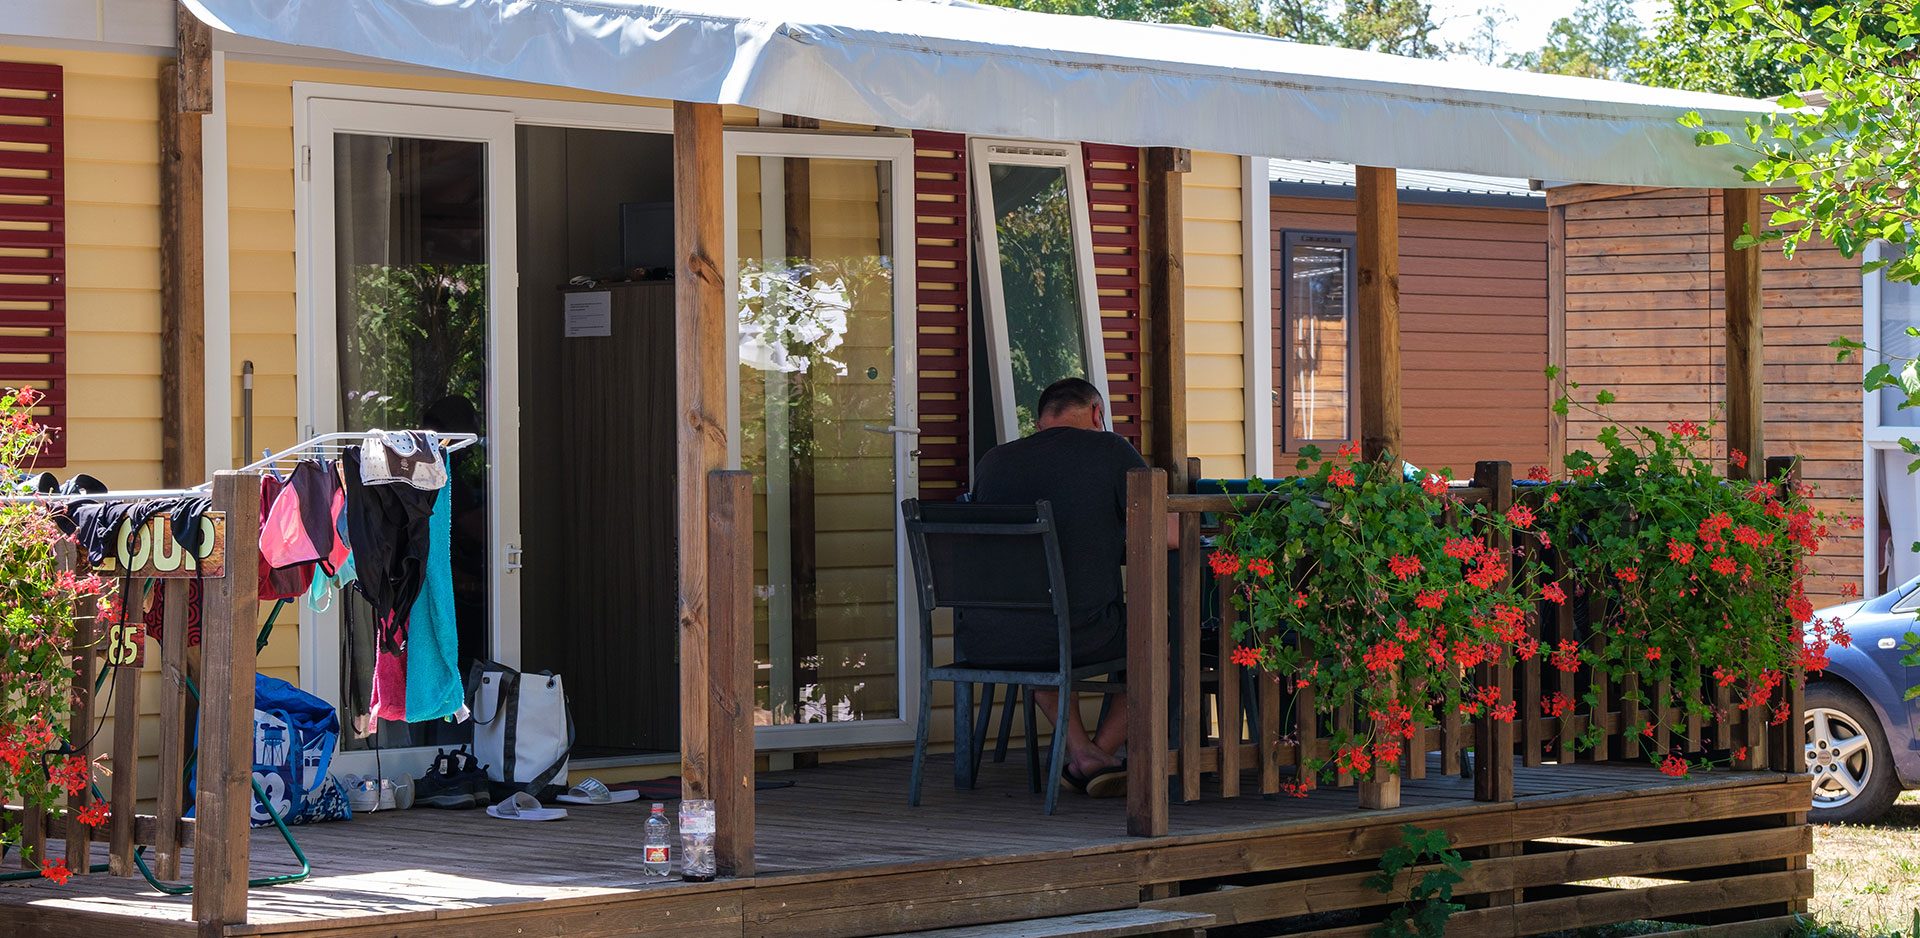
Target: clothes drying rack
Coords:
[[322, 446]]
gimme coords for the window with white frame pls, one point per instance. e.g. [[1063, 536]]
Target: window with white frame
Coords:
[[1037, 279], [1889, 309], [1313, 342]]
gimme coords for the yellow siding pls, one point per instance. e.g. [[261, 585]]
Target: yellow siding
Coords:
[[1216, 380]]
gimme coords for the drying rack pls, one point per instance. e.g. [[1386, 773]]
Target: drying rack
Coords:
[[322, 446]]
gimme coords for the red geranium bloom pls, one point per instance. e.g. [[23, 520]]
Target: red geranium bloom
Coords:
[[1249, 657], [1653, 653], [1520, 516], [1350, 448], [1679, 553], [1539, 474], [1463, 548], [1628, 574], [57, 871], [1223, 563], [1737, 458], [1724, 566], [1674, 765], [1429, 599], [1403, 567], [1260, 566], [1342, 478], [1554, 593], [1434, 485]]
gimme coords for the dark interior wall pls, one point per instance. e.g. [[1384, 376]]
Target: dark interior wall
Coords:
[[596, 441]]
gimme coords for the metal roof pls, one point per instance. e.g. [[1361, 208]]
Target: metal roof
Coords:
[[1335, 180]]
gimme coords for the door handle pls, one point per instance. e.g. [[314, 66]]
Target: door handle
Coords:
[[513, 558], [891, 428]]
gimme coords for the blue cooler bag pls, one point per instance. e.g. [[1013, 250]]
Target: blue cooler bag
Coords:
[[294, 734]]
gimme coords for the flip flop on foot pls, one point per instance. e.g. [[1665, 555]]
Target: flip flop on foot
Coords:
[[1108, 783]]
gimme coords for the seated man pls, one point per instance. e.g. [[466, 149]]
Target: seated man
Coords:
[[1072, 462]]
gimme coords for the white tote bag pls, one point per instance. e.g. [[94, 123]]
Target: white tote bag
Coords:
[[522, 730]]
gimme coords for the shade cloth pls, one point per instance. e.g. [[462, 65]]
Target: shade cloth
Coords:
[[955, 66]]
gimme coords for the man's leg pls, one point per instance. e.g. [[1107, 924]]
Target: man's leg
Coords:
[[1084, 756], [1112, 732]]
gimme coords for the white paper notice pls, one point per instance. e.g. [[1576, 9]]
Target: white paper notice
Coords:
[[589, 314]]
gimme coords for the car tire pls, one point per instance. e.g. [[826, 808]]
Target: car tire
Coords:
[[1848, 755]]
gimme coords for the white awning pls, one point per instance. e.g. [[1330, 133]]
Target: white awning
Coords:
[[955, 66]]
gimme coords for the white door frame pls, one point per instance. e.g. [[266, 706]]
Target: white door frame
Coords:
[[981, 153], [750, 141]]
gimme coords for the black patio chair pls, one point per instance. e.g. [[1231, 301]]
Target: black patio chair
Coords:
[[972, 556]]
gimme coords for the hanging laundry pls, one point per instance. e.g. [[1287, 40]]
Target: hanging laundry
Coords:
[[279, 582], [387, 525], [389, 699], [155, 618], [434, 688], [403, 456], [299, 527]]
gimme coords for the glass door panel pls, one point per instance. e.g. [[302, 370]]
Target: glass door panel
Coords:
[[819, 405], [1317, 304], [412, 319]]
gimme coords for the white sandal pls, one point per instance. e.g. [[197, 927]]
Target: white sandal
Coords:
[[594, 791], [525, 807]]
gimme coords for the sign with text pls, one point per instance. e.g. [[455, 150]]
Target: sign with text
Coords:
[[150, 550], [126, 645]]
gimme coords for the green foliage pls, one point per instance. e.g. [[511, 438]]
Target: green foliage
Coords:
[[1844, 140], [1432, 868], [1037, 275], [1600, 40], [1691, 48], [418, 334]]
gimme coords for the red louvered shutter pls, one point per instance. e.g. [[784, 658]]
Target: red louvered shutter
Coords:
[[1113, 198], [941, 308], [33, 229]]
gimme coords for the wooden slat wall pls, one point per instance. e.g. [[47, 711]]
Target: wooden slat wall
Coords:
[[1113, 202], [1645, 318], [1473, 328], [941, 304]]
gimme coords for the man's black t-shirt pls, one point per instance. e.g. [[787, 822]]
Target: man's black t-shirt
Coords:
[[1083, 473]]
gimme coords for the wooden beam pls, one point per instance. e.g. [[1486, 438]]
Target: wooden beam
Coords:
[[1146, 652], [1166, 312], [223, 790], [1568, 195], [700, 331], [193, 67], [125, 762], [174, 731], [1377, 262], [731, 666], [1746, 341], [183, 339]]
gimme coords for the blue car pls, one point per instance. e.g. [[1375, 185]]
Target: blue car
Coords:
[[1863, 735]]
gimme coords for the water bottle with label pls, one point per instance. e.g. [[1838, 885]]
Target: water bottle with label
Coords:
[[658, 853]]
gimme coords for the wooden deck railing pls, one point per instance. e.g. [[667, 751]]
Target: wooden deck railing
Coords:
[[1277, 732], [223, 792]]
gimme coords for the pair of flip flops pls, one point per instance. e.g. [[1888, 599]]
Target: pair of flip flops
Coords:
[[1106, 783], [524, 807]]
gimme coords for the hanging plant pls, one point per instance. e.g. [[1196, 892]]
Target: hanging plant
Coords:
[[37, 640]]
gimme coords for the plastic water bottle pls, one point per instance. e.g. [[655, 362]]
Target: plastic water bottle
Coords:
[[658, 853]]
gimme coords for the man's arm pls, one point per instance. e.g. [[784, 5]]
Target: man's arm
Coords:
[[1173, 530]]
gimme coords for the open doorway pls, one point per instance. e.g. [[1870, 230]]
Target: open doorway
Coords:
[[597, 433]]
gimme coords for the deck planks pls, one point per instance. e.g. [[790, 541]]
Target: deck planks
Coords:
[[845, 828]]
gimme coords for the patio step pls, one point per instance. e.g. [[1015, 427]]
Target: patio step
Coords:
[[1120, 923]]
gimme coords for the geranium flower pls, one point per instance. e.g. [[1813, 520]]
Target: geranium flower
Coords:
[[57, 871], [1434, 485], [1554, 593], [1520, 516], [1653, 653], [1404, 567], [1249, 657], [1463, 548], [1679, 552], [1224, 564], [1628, 574], [1539, 474], [1674, 765], [1342, 478], [1260, 566], [1737, 458], [1429, 599], [1724, 566]]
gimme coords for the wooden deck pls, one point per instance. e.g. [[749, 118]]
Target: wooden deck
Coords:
[[841, 854]]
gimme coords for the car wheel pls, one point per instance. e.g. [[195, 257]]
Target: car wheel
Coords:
[[1847, 754]]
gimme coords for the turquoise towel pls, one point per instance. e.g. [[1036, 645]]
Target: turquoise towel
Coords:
[[433, 643]]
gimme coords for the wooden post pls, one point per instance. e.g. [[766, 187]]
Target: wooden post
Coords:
[[1787, 750], [1306, 717], [1381, 791], [1377, 261], [1746, 342], [730, 666], [700, 332], [125, 762], [1231, 725], [1146, 652], [223, 792], [1193, 727], [86, 635], [171, 800], [186, 93], [1493, 737], [1166, 313]]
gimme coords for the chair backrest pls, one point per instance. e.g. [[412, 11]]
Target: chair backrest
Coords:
[[968, 555]]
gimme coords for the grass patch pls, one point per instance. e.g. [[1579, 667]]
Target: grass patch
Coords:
[[1866, 877]]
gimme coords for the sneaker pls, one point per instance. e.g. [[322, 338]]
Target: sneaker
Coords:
[[438, 790]]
